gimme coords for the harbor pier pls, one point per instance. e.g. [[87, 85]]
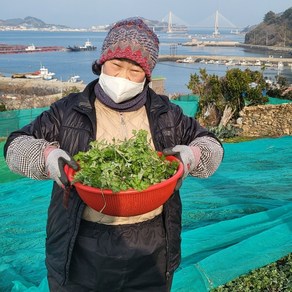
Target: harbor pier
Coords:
[[224, 59]]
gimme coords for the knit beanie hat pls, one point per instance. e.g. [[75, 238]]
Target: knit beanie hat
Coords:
[[131, 39]]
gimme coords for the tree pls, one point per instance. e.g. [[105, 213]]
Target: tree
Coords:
[[255, 91], [270, 17], [211, 103], [227, 95]]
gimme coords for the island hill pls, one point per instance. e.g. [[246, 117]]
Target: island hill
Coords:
[[275, 30]]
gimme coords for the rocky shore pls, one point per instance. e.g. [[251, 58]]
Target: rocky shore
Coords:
[[8, 83], [22, 93]]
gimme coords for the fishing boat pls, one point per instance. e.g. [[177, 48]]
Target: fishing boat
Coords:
[[188, 59], [75, 79], [42, 73], [88, 46], [33, 75], [32, 48]]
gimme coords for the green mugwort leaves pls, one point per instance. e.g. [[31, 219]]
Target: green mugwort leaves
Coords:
[[123, 165]]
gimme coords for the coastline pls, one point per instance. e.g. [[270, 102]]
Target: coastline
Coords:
[[40, 83], [197, 58], [24, 93]]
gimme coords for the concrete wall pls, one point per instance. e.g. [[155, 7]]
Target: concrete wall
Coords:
[[266, 120], [157, 85]]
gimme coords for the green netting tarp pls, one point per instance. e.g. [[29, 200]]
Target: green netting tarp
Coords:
[[237, 220], [15, 119], [275, 100], [189, 104], [189, 107]]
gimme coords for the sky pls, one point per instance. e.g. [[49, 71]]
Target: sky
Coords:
[[87, 13]]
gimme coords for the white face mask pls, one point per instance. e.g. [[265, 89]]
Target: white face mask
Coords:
[[120, 89]]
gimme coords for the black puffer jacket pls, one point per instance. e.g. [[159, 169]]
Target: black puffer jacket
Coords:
[[72, 122]]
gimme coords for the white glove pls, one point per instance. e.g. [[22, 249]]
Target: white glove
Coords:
[[186, 155], [55, 162]]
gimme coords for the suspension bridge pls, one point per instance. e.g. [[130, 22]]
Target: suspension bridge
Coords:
[[216, 20]]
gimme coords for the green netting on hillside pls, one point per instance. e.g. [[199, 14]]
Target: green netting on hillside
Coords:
[[5, 174], [15, 119], [274, 100], [188, 97], [237, 220], [189, 107], [189, 103], [218, 253]]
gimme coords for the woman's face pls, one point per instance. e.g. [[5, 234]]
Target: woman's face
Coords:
[[124, 69]]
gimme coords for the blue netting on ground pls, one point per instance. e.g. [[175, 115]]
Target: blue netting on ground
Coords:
[[233, 222]]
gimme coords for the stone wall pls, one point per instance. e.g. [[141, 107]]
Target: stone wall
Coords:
[[266, 120]]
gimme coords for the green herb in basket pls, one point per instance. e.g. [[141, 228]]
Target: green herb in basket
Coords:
[[123, 165]]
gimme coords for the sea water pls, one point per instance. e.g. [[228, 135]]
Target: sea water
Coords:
[[66, 64]]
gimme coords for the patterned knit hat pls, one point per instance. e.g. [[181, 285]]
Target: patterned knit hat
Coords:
[[131, 39]]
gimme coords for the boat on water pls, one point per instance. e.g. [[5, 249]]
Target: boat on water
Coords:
[[32, 48], [20, 49], [42, 73], [88, 46], [75, 79], [188, 59], [280, 65]]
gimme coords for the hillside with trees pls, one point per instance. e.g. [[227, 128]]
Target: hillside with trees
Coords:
[[275, 30], [29, 22]]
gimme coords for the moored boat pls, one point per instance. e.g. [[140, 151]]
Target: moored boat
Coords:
[[188, 59], [42, 73], [33, 75], [88, 46], [32, 48], [75, 79]]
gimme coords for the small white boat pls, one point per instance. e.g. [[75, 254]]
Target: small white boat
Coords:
[[230, 63], [188, 59], [42, 73], [31, 48], [280, 65], [258, 63], [33, 75], [45, 74], [268, 64], [75, 79]]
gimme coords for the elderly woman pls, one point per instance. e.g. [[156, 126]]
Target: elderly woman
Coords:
[[87, 250]]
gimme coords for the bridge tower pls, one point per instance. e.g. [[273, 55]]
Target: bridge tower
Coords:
[[169, 28], [216, 32]]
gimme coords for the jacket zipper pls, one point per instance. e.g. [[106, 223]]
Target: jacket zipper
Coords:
[[123, 123]]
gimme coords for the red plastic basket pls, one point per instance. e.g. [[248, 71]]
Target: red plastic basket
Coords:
[[127, 203]]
